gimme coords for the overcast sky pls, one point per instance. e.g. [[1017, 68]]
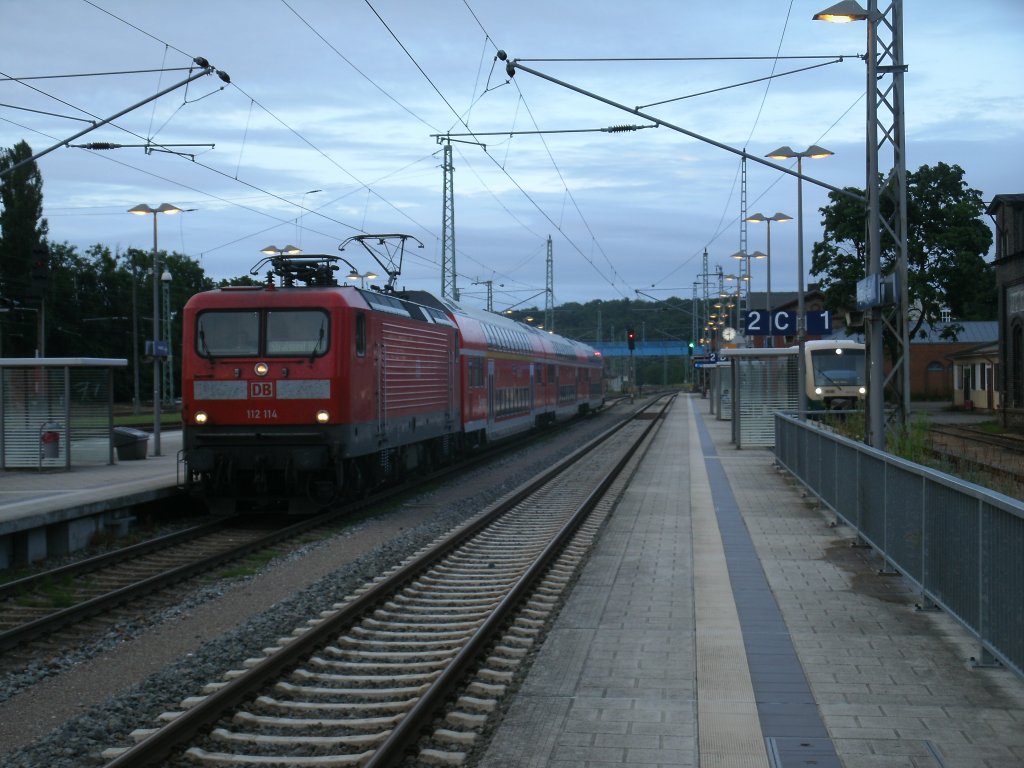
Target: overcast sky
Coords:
[[325, 130]]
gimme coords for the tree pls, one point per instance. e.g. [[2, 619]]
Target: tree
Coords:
[[22, 230], [240, 280], [947, 240]]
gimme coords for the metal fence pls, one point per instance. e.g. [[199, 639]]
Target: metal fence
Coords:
[[962, 545]]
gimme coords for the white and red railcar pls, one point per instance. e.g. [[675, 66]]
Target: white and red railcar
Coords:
[[293, 397]]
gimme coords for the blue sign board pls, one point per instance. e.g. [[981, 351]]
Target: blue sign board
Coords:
[[819, 323], [160, 349], [868, 293], [758, 322]]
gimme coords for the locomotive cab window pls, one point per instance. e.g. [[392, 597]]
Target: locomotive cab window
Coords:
[[228, 334], [838, 367], [297, 332], [361, 335]]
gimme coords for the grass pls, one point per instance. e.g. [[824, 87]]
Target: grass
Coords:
[[911, 442], [49, 595], [250, 566], [991, 427]]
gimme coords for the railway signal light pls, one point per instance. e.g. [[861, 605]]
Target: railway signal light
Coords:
[[39, 273], [631, 338]]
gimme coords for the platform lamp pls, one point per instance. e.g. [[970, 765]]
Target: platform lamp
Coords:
[[288, 250], [787, 153], [144, 210], [362, 277], [745, 257], [778, 218], [354, 274]]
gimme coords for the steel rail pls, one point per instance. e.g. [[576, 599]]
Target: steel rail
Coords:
[[102, 603], [161, 743], [407, 732], [107, 559], [76, 613]]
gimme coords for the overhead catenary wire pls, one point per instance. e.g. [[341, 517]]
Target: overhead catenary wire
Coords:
[[551, 204]]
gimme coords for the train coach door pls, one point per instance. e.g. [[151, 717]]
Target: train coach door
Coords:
[[453, 382], [532, 385], [382, 407], [490, 391]]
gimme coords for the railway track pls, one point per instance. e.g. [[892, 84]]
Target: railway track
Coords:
[[38, 606], [996, 459], [413, 663], [47, 611]]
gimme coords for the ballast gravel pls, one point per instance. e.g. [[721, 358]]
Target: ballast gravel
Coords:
[[64, 713]]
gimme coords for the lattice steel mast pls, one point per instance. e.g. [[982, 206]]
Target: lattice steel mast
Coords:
[[549, 290], [449, 288]]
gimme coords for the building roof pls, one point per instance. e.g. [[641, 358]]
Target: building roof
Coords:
[[988, 350], [1000, 200], [972, 332]]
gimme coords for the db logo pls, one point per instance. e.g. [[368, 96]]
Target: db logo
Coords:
[[260, 389]]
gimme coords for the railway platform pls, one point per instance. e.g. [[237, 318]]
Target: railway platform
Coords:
[[55, 511], [724, 621]]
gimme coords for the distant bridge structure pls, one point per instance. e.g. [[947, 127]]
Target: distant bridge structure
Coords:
[[671, 348]]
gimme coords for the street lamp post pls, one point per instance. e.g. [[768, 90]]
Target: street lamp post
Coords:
[[885, 75], [288, 250], [136, 399], [362, 277], [757, 218], [733, 301], [143, 210], [354, 274], [302, 210], [745, 257], [165, 280], [786, 153]]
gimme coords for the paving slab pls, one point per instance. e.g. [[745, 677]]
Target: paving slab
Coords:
[[843, 670]]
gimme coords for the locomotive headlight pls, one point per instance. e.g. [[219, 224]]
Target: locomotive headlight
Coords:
[[201, 417], [322, 417], [863, 390], [261, 369], [817, 390]]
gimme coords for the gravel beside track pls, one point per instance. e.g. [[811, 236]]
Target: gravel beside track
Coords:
[[147, 667]]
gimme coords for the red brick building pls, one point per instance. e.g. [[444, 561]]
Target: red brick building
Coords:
[[1008, 213]]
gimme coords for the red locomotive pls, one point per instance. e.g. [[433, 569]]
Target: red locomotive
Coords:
[[297, 395]]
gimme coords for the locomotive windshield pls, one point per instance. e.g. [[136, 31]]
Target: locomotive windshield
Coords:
[[296, 332], [838, 367], [228, 334], [236, 333]]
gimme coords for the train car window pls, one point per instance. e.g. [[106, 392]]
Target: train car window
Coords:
[[475, 372], [360, 335], [415, 311], [297, 332], [228, 333], [383, 303], [439, 317]]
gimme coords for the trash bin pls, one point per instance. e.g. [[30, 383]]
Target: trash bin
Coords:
[[130, 444], [49, 440]]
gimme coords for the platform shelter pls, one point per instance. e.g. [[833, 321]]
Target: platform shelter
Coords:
[[56, 411], [763, 381]]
